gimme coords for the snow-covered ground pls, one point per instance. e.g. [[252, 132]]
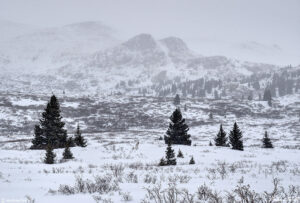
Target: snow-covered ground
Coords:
[[24, 175], [124, 160]]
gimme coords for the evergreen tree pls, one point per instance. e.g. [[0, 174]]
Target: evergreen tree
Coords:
[[162, 162], [192, 161], [51, 128], [170, 155], [39, 140], [235, 138], [70, 142], [180, 155], [79, 140], [177, 100], [67, 154], [210, 144], [221, 139], [268, 96], [185, 107], [267, 143], [50, 156], [177, 132]]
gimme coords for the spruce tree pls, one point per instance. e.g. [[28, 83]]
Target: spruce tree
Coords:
[[162, 162], [39, 140], [177, 132], [268, 96], [170, 156], [221, 139], [177, 100], [192, 161], [79, 140], [180, 155], [50, 156], [70, 142], [51, 127], [67, 154], [267, 143], [235, 138]]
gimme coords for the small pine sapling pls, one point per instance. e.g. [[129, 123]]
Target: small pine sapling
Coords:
[[180, 155], [267, 143], [192, 161], [50, 155]]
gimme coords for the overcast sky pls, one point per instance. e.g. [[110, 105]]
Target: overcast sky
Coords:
[[261, 30]]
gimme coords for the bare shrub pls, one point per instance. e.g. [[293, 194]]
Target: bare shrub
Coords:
[[291, 195], [106, 184], [279, 166], [221, 168], [117, 170], [66, 190], [271, 196], [150, 178], [29, 199], [184, 178], [126, 196], [101, 184], [212, 173], [204, 192], [187, 197], [79, 184], [132, 177], [136, 165]]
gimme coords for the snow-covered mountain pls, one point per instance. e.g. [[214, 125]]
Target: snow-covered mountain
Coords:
[[47, 48], [88, 56]]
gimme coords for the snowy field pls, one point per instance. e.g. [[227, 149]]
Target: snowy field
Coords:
[[122, 165]]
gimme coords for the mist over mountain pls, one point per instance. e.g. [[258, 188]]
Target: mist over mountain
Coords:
[[147, 101], [91, 51]]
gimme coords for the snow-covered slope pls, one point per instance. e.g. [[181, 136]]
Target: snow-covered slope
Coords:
[[51, 47], [88, 56]]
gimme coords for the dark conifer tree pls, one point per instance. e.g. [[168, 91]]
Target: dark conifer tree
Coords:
[[50, 156], [267, 143], [185, 107], [39, 140], [221, 139], [79, 140], [192, 161], [51, 127], [177, 100], [170, 155], [177, 132], [162, 162], [70, 142], [210, 144], [268, 96], [67, 154], [180, 155], [235, 138]]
